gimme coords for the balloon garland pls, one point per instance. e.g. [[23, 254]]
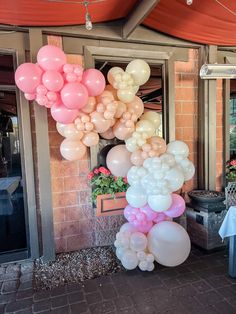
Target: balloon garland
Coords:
[[85, 107]]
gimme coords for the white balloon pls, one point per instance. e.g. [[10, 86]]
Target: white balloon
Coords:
[[120, 252], [150, 267], [138, 241], [159, 203], [168, 159], [175, 178], [188, 169], [150, 258], [61, 128], [136, 196], [140, 71], [129, 260], [127, 228], [126, 95], [143, 265], [141, 255], [169, 243], [178, 148], [153, 117]]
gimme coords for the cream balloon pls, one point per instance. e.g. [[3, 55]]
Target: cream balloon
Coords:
[[153, 117], [61, 128], [118, 161], [145, 126], [112, 72], [72, 132], [131, 144], [140, 71], [178, 148], [72, 149], [90, 139], [169, 243], [126, 95]]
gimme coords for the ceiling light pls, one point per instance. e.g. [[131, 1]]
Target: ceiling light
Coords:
[[189, 2], [218, 71], [88, 22]]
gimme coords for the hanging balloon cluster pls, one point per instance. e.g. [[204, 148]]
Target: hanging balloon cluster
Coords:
[[85, 107], [79, 100]]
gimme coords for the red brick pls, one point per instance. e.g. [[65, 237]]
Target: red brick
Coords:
[[57, 184], [58, 214]]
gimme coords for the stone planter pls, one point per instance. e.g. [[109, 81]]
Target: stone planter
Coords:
[[205, 214], [108, 205]]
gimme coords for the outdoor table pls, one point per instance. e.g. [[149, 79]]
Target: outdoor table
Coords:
[[228, 229]]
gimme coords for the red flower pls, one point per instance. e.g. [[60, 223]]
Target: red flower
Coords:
[[125, 180], [115, 178], [233, 163], [96, 171], [105, 171], [90, 175]]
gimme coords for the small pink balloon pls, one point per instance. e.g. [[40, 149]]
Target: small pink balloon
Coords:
[[68, 68], [42, 100], [108, 135], [51, 58], [28, 77], [177, 207], [30, 96], [71, 77], [52, 96], [41, 90], [150, 214], [52, 80], [161, 217], [64, 115], [145, 228], [74, 95], [94, 81]]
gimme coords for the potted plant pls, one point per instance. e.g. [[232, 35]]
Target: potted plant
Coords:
[[108, 191], [231, 170]]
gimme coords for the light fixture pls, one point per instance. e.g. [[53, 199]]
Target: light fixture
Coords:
[[218, 71], [88, 22], [86, 3], [189, 2]]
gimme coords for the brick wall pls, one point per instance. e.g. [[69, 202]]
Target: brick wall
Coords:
[[186, 106]]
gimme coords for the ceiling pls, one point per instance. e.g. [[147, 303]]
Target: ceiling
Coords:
[[208, 21]]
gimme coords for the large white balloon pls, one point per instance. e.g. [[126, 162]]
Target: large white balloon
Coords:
[[136, 196], [140, 71], [138, 241], [187, 168], [175, 179], [169, 243], [159, 202]]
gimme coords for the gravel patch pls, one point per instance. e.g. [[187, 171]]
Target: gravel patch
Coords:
[[75, 267]]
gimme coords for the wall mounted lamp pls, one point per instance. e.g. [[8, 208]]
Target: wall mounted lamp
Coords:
[[218, 71]]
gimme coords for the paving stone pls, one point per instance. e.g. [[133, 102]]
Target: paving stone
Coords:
[[73, 287], [58, 291], [227, 292], [7, 297], [62, 310], [218, 281], [76, 297], [102, 307], [2, 308], [26, 277], [25, 311], [25, 285], [108, 291], [10, 286], [122, 303], [42, 295], [59, 301], [201, 286], [224, 307], [42, 306], [18, 305], [184, 291], [24, 294], [81, 307], [90, 285], [209, 298], [93, 297]]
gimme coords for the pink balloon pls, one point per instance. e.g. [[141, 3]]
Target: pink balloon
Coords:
[[53, 80], [74, 95], [108, 135], [30, 96], [177, 207], [51, 58], [150, 214], [62, 114], [118, 160], [28, 77], [145, 228], [95, 82], [161, 217], [41, 90], [136, 158], [42, 100]]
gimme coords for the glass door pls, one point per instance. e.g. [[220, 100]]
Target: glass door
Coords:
[[13, 227]]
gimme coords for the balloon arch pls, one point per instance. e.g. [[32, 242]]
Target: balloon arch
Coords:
[[84, 108]]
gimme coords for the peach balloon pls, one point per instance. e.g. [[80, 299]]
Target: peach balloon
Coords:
[[105, 93], [121, 132], [120, 109], [112, 90], [118, 160], [136, 158], [153, 117], [90, 139], [90, 106], [136, 106], [72, 149], [100, 123], [72, 132], [145, 126], [108, 135], [112, 72], [158, 144]]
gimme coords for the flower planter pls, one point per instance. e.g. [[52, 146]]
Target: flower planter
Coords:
[[108, 205]]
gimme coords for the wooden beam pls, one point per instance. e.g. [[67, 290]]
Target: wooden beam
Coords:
[[138, 15]]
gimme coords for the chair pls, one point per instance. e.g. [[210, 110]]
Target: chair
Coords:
[[230, 195]]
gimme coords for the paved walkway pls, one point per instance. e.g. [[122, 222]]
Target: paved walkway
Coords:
[[200, 285]]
